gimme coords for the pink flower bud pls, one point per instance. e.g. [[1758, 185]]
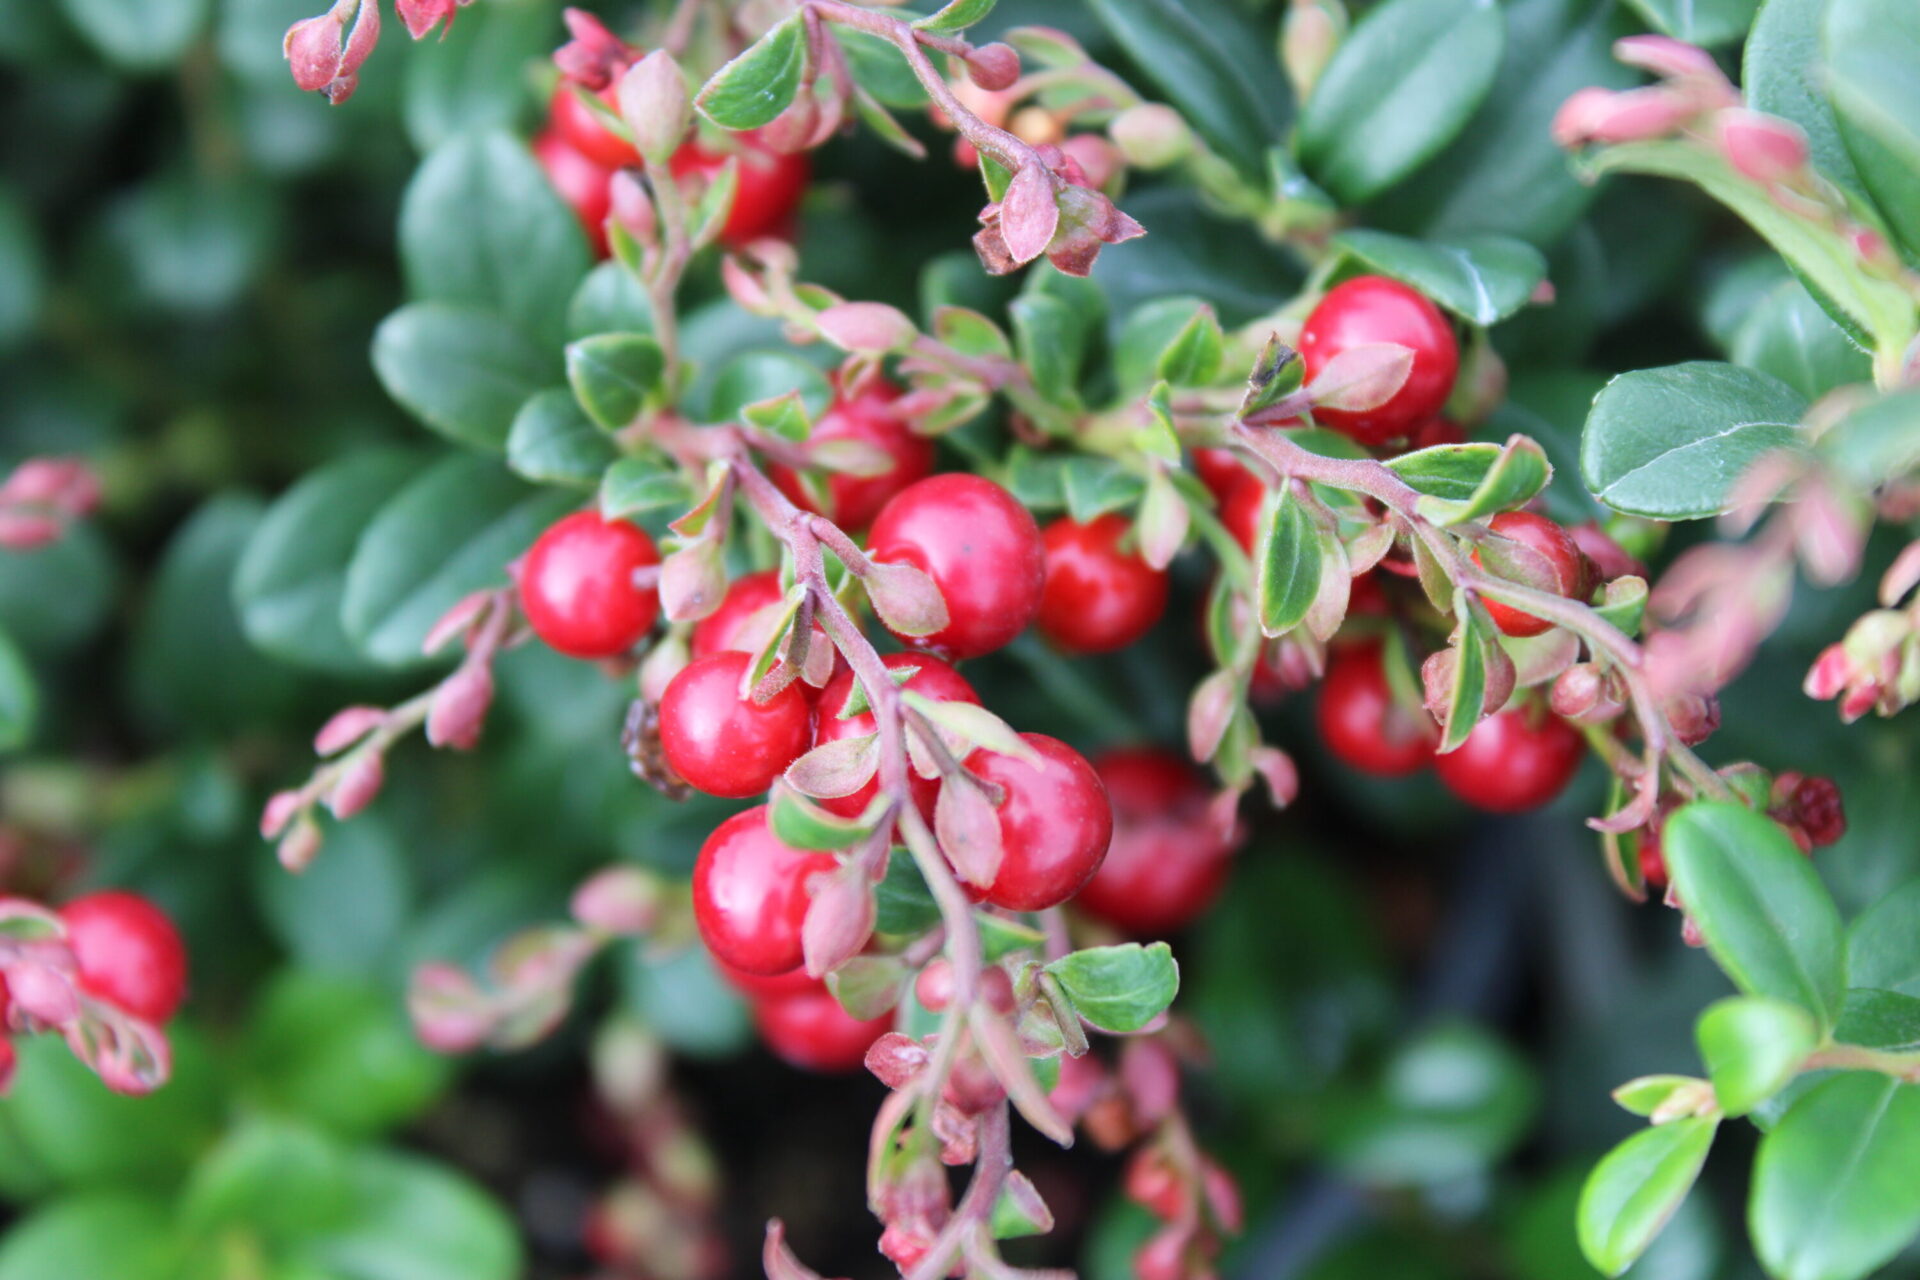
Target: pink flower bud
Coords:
[[1223, 1197], [839, 920], [1635, 115], [1151, 136], [623, 901], [1584, 694], [25, 531], [43, 993], [464, 614], [633, 208], [357, 786], [300, 847], [312, 49], [1694, 717], [459, 709], [1665, 56], [52, 482], [655, 105], [1098, 160], [994, 67], [347, 727], [1151, 1079], [422, 16], [895, 1059], [450, 1013], [595, 56], [1282, 777], [1762, 148], [280, 810]]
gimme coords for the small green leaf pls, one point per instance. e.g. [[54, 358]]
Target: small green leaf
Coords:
[[1052, 345], [1286, 563], [1520, 471], [903, 903], [1872, 48], [761, 377], [868, 986], [1192, 357], [1880, 945], [802, 824], [757, 86], [19, 697], [1643, 1096], [553, 442], [642, 483], [879, 68], [1093, 486], [463, 372], [96, 1233], [1786, 334], [1624, 603], [1703, 22], [1275, 376], [1483, 278], [1002, 936], [1753, 1046], [613, 375], [1885, 1020], [1784, 73], [956, 15], [1120, 988], [1670, 442], [1636, 1189], [1466, 702], [1766, 917], [1451, 472], [1878, 441]]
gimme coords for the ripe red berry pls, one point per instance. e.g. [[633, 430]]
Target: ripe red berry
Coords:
[[586, 132], [1221, 470], [1361, 723], [932, 678], [1434, 432], [1653, 861], [1514, 760], [1556, 547], [725, 628], [1098, 597], [813, 1032], [750, 894], [577, 587], [1241, 509], [853, 501], [582, 184], [1370, 309], [722, 743], [770, 185], [9, 1059], [765, 986], [128, 953], [1168, 860], [1055, 824], [982, 549]]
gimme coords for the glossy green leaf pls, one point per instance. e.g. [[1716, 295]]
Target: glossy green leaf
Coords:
[[802, 824], [1872, 48], [1767, 919], [758, 84], [1120, 988], [481, 227], [138, 35], [1834, 1196], [1877, 441], [291, 579], [19, 696], [1483, 278], [1670, 442], [345, 913], [278, 1179], [754, 377], [1752, 1047], [1145, 333], [52, 598], [1644, 1095], [609, 300], [1886, 1020], [409, 1217], [102, 1233], [22, 271], [614, 374], [1636, 1189], [1093, 486], [1402, 85], [1287, 564], [1518, 472], [902, 902], [1703, 22], [448, 532], [1787, 335], [955, 15], [1466, 701], [1053, 345], [1783, 73], [878, 68], [1882, 952], [469, 78], [461, 371], [1204, 57], [553, 442], [1192, 357], [642, 483], [1452, 472]]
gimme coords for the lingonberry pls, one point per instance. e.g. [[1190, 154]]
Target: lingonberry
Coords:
[[1055, 824], [750, 894], [1241, 510], [982, 549], [1097, 597], [128, 953], [9, 1059], [1362, 723], [723, 743], [1168, 859], [584, 130], [582, 183], [853, 501], [1434, 432], [1653, 860], [769, 190], [765, 986], [813, 1032], [1373, 309], [1514, 760], [1221, 470], [742, 621], [577, 586], [1559, 552], [932, 678]]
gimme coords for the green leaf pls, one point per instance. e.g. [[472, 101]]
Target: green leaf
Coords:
[[101, 1233], [1287, 564], [138, 35], [1466, 702], [345, 913], [802, 824], [1878, 441], [637, 484], [1834, 1196], [1145, 334], [1120, 988], [1872, 48], [754, 377], [448, 532], [290, 581], [461, 371], [469, 78], [1053, 345], [1093, 486], [22, 272], [1637, 1187], [1766, 918], [1518, 472], [275, 1178], [1752, 1047], [1670, 442], [613, 375], [903, 903], [1881, 949], [53, 598], [1208, 62], [1787, 335], [757, 86], [1885, 1020], [410, 1219], [553, 442], [1192, 358], [19, 696], [1483, 278], [1644, 1095], [1703, 22], [609, 300], [1784, 74], [956, 15], [1402, 85], [879, 68], [1450, 472], [481, 227]]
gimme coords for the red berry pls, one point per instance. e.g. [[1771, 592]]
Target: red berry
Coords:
[[933, 679], [1168, 860], [577, 587], [1240, 511], [1514, 760], [750, 894], [582, 184], [811, 1031], [853, 501], [982, 549], [1055, 824], [9, 1059], [586, 132], [1097, 597], [1154, 1184], [1370, 309], [1653, 861], [128, 953], [1435, 432], [770, 185], [725, 744], [725, 629], [763, 986], [1361, 723], [1221, 470], [1556, 547]]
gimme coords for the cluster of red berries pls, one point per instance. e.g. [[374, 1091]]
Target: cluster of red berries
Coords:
[[126, 953], [581, 153]]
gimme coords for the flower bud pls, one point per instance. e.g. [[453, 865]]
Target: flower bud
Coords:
[[358, 785], [27, 530], [1151, 1079], [1586, 695], [994, 67], [1762, 148], [655, 106], [43, 993], [459, 709], [1632, 115], [1151, 136], [839, 920], [1309, 36], [1098, 160], [633, 209], [594, 57], [623, 901], [346, 727], [450, 1012], [280, 810], [301, 846]]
